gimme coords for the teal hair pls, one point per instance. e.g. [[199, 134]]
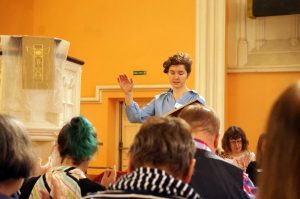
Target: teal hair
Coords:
[[77, 140]]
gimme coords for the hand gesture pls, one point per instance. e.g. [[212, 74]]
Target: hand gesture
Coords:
[[125, 83], [109, 176], [40, 168]]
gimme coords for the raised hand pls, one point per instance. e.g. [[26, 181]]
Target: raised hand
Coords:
[[125, 83]]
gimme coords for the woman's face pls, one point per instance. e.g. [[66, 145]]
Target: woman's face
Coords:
[[236, 146], [177, 76]]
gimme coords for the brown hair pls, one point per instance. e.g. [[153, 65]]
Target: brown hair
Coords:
[[281, 176], [234, 132], [178, 59], [16, 157], [166, 142], [198, 116], [259, 149]]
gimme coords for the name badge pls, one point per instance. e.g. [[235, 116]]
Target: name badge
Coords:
[[177, 105]]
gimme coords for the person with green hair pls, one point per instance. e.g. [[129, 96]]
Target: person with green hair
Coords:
[[76, 145]]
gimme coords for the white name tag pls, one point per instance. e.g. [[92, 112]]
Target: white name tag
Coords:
[[177, 105]]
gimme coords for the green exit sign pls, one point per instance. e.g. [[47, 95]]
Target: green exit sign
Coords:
[[139, 72]]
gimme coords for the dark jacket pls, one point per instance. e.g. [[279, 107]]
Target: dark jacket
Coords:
[[216, 179]]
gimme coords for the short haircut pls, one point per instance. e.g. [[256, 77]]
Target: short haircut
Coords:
[[77, 139], [16, 155], [164, 141], [202, 118], [234, 132], [178, 59]]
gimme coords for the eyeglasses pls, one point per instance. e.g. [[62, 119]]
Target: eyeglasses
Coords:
[[235, 141]]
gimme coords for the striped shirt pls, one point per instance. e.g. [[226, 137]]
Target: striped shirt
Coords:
[[147, 183]]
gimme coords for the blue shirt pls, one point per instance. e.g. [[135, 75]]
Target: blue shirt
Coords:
[[161, 104]]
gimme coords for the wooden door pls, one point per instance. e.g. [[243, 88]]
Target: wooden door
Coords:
[[126, 135]]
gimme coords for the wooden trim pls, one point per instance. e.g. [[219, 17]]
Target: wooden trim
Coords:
[[263, 69], [98, 92]]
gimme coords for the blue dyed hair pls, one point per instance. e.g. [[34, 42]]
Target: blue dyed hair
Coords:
[[77, 140]]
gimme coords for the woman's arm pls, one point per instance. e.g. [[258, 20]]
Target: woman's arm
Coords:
[[135, 114], [126, 86]]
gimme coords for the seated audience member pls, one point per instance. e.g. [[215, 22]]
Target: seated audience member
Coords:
[[160, 163], [254, 167], [213, 178], [16, 157], [235, 145], [281, 162], [104, 178], [76, 144]]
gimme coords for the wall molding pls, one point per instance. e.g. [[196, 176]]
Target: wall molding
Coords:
[[97, 98], [263, 69], [43, 135]]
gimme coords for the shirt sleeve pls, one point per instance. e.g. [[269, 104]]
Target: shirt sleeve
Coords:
[[201, 99], [135, 114], [249, 187]]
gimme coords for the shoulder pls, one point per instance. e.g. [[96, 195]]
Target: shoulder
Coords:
[[196, 95], [27, 187], [194, 92], [87, 186], [90, 183], [164, 94]]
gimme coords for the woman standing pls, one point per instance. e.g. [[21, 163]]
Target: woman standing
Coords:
[[178, 69]]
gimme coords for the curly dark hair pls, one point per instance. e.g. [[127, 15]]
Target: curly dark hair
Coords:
[[234, 132], [178, 59]]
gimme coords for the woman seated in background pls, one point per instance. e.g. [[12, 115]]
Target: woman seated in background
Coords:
[[281, 162], [76, 144], [16, 157], [235, 145], [254, 168]]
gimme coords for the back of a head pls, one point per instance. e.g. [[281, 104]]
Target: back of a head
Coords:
[[201, 118], [77, 140], [281, 162], [16, 157], [163, 142]]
